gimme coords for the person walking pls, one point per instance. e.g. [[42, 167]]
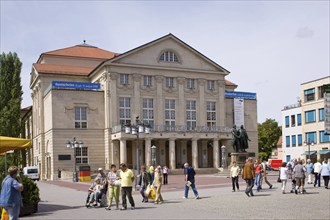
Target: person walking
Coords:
[[258, 169], [283, 176], [264, 175], [317, 167], [127, 178], [165, 174], [249, 176], [309, 168], [189, 174], [113, 187], [299, 172], [325, 173], [158, 185], [144, 181], [234, 172], [10, 197]]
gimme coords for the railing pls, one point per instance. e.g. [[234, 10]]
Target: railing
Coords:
[[292, 106], [178, 128]]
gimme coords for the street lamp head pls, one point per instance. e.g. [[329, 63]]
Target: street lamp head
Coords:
[[76, 144], [153, 147], [147, 129], [134, 131], [141, 128], [127, 129], [312, 143], [81, 144], [68, 144]]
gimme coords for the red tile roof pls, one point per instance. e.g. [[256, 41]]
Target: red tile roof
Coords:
[[83, 51], [61, 69], [228, 83]]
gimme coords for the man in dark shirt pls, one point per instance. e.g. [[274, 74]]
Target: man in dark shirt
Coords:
[[189, 174]]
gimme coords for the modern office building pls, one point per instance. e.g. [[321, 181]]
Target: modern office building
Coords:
[[87, 93], [303, 124]]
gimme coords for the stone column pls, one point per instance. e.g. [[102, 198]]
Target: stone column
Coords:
[[194, 153], [148, 151], [222, 104], [159, 102], [216, 152], [113, 100], [123, 151], [201, 121], [115, 151], [172, 154], [137, 97]]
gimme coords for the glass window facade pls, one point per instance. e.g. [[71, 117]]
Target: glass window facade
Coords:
[[310, 116], [147, 81], [170, 114], [311, 137], [148, 112], [210, 85], [169, 56], [324, 138], [124, 110], [287, 121], [169, 82], [321, 114], [80, 117], [191, 114], [123, 79], [81, 155], [287, 141], [299, 136], [309, 94], [298, 119], [288, 158], [210, 114], [293, 140]]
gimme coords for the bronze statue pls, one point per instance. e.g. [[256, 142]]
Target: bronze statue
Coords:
[[236, 139], [244, 139]]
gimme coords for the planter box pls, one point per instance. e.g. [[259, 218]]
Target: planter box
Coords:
[[28, 209]]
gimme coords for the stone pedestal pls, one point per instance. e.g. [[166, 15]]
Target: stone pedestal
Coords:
[[239, 157]]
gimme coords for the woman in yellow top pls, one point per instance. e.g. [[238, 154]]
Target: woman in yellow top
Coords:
[[158, 185]]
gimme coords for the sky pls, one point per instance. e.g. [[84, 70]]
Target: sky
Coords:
[[270, 47]]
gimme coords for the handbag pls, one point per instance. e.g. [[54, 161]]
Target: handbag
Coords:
[[147, 191], [117, 182]]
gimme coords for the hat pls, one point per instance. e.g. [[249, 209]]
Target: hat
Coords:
[[159, 167], [100, 169]]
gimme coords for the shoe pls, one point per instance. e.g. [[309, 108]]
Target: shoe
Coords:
[[161, 202], [233, 190], [291, 191], [251, 193], [95, 204], [142, 200], [133, 207], [108, 208], [146, 200], [296, 192], [247, 194], [123, 208], [283, 192], [197, 197], [184, 197], [88, 205], [271, 186], [314, 185], [156, 203]]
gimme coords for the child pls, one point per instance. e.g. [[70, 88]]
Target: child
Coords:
[[95, 191], [283, 176]]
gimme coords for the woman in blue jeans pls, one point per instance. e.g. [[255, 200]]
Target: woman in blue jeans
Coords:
[[258, 171], [10, 197]]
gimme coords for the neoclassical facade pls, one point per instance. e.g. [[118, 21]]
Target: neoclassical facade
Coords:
[[89, 93]]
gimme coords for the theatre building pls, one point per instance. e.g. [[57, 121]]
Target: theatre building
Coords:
[[87, 93]]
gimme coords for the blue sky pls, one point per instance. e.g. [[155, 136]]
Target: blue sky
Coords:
[[270, 47]]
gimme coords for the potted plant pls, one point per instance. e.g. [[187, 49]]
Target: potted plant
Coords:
[[30, 196]]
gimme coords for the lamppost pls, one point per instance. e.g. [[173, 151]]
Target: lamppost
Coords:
[[153, 155], [136, 129], [74, 144], [223, 156], [309, 143]]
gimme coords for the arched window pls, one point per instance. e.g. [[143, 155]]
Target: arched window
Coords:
[[169, 56]]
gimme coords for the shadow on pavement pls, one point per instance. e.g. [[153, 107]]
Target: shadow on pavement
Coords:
[[43, 207], [257, 195], [145, 207]]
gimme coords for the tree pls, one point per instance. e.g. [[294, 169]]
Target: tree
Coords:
[[268, 134], [10, 99]]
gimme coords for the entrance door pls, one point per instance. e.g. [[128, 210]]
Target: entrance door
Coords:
[[189, 153]]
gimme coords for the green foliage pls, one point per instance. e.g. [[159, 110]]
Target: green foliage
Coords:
[[30, 193], [10, 94], [268, 135]]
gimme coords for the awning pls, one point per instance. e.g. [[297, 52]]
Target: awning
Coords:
[[323, 152], [10, 143], [309, 153]]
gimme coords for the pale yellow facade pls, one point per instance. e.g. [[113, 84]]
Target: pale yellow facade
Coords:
[[104, 137]]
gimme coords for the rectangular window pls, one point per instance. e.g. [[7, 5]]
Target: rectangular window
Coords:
[[147, 81], [324, 138], [310, 116], [299, 139], [321, 91], [287, 121], [287, 141], [123, 79], [210, 114], [81, 155], [321, 114], [80, 117], [191, 114], [288, 158], [124, 110], [293, 120], [190, 83], [210, 85], [169, 82], [311, 137], [293, 140], [299, 119], [148, 112], [170, 114], [309, 95]]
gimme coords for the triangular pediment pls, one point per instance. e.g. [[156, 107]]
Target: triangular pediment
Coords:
[[149, 55]]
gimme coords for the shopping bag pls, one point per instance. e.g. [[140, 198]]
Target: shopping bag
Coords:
[[147, 191], [152, 194], [4, 215]]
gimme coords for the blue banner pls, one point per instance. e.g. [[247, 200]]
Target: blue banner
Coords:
[[75, 85], [240, 95]]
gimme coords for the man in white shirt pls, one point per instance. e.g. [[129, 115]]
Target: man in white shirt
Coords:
[[317, 167]]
